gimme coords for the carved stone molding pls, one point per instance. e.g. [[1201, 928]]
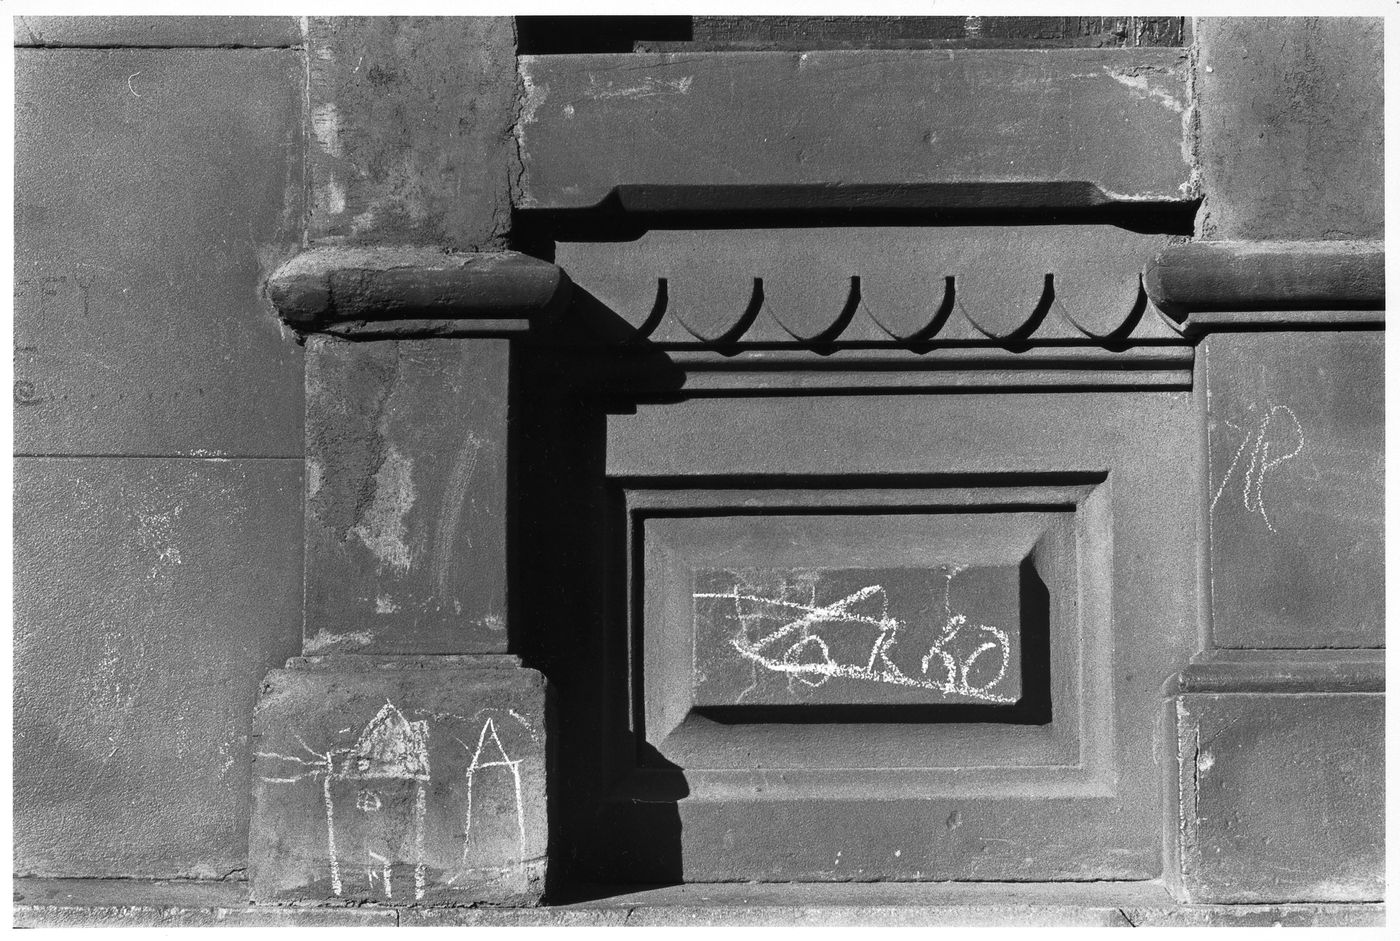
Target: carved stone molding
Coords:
[[862, 286], [1282, 671], [411, 291], [1208, 284]]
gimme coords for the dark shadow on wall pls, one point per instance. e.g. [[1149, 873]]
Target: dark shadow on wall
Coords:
[[568, 549]]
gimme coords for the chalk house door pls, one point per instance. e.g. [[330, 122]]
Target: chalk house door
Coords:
[[859, 484]]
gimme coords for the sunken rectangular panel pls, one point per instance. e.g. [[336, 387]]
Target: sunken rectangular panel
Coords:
[[793, 613], [805, 637], [979, 584], [1077, 798]]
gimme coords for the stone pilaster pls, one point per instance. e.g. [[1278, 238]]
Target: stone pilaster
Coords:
[[1275, 768], [403, 758]]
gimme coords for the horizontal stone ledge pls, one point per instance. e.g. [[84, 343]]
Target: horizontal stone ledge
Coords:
[[628, 210], [1283, 283], [130, 902], [1112, 117], [364, 663], [410, 291], [1282, 671]]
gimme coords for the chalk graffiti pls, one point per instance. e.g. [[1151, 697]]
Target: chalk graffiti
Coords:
[[799, 646], [1279, 430], [384, 812], [391, 753], [501, 760]]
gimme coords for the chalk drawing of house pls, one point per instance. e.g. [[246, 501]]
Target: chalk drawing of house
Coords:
[[379, 795], [391, 747]]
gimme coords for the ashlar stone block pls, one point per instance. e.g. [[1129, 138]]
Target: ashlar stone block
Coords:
[[1282, 797], [400, 781]]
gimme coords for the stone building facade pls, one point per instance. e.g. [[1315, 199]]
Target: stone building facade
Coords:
[[698, 470]]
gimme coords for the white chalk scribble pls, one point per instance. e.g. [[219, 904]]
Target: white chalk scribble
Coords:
[[798, 648], [1278, 438]]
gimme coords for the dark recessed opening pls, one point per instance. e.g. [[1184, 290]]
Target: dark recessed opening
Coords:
[[562, 35]]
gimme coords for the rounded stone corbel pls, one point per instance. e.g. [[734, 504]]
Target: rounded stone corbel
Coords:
[[404, 292], [1279, 284]]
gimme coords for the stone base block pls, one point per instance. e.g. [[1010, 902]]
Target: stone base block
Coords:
[[1281, 797], [400, 780]]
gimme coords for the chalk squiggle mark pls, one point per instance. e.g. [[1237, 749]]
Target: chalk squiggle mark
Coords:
[[1265, 439]]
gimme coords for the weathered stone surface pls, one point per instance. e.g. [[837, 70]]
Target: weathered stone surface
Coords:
[[174, 916], [95, 902], [406, 496], [411, 130], [1352, 915], [154, 191], [852, 118], [1296, 462], [417, 783], [157, 31], [150, 598], [1314, 277], [399, 291], [806, 907], [1281, 797], [1290, 143], [120, 903]]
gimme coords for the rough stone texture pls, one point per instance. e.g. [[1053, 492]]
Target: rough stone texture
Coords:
[[417, 782], [411, 123], [1290, 137], [157, 31], [1296, 457], [150, 598], [1281, 797], [871, 117], [81, 903], [176, 916], [406, 496], [77, 903], [1260, 916], [154, 191]]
